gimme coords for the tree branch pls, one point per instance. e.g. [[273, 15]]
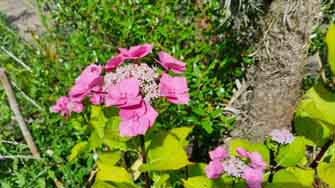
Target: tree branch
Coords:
[[15, 108]]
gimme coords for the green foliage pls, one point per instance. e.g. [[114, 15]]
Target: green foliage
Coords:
[[326, 173], [251, 147], [163, 146], [316, 111], [291, 154], [293, 178], [330, 38]]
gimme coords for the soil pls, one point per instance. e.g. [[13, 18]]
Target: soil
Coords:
[[275, 82], [23, 16]]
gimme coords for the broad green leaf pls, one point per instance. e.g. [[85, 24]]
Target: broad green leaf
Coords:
[[181, 134], [326, 173], [316, 112], [101, 184], [161, 181], [293, 178], [251, 147], [98, 120], [95, 141], [112, 135], [165, 152], [110, 158], [77, 149], [197, 182], [319, 103], [291, 154], [329, 156], [330, 39], [204, 182], [197, 169], [107, 172]]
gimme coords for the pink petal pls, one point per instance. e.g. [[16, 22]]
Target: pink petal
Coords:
[[242, 152], [130, 86], [214, 169], [174, 89], [253, 177], [129, 113], [218, 153], [170, 63], [151, 114], [136, 52], [87, 80], [114, 62], [256, 161]]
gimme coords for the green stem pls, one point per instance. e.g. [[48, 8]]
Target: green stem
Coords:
[[144, 157]]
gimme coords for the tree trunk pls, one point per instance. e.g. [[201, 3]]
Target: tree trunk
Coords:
[[276, 79]]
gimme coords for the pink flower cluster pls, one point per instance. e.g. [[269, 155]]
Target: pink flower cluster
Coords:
[[282, 136], [131, 88], [248, 166]]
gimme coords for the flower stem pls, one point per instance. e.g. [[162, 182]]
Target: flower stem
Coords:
[[144, 157]]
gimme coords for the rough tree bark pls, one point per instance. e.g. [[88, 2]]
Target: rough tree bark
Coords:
[[276, 80], [23, 16]]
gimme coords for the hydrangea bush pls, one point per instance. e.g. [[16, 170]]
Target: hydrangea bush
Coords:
[[126, 96]]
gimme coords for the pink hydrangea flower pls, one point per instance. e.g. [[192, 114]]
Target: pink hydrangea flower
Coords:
[[253, 177], [174, 89], [282, 136], [123, 94], [65, 106], [234, 166], [170, 63], [136, 52], [137, 120], [214, 169], [218, 153], [256, 160], [114, 62], [97, 95], [88, 79]]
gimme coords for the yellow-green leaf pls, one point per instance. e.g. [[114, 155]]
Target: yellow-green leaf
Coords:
[[292, 154], [251, 147], [107, 172], [293, 178], [330, 39], [77, 149], [166, 152], [326, 173], [98, 120]]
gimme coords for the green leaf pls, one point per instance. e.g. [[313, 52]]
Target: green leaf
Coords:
[[251, 147], [161, 181], [204, 182], [293, 178], [291, 154], [316, 112], [326, 173], [330, 39], [197, 182], [95, 141], [197, 169], [112, 135], [207, 125], [110, 158], [181, 134], [160, 151], [108, 172], [98, 120], [101, 184], [77, 149]]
